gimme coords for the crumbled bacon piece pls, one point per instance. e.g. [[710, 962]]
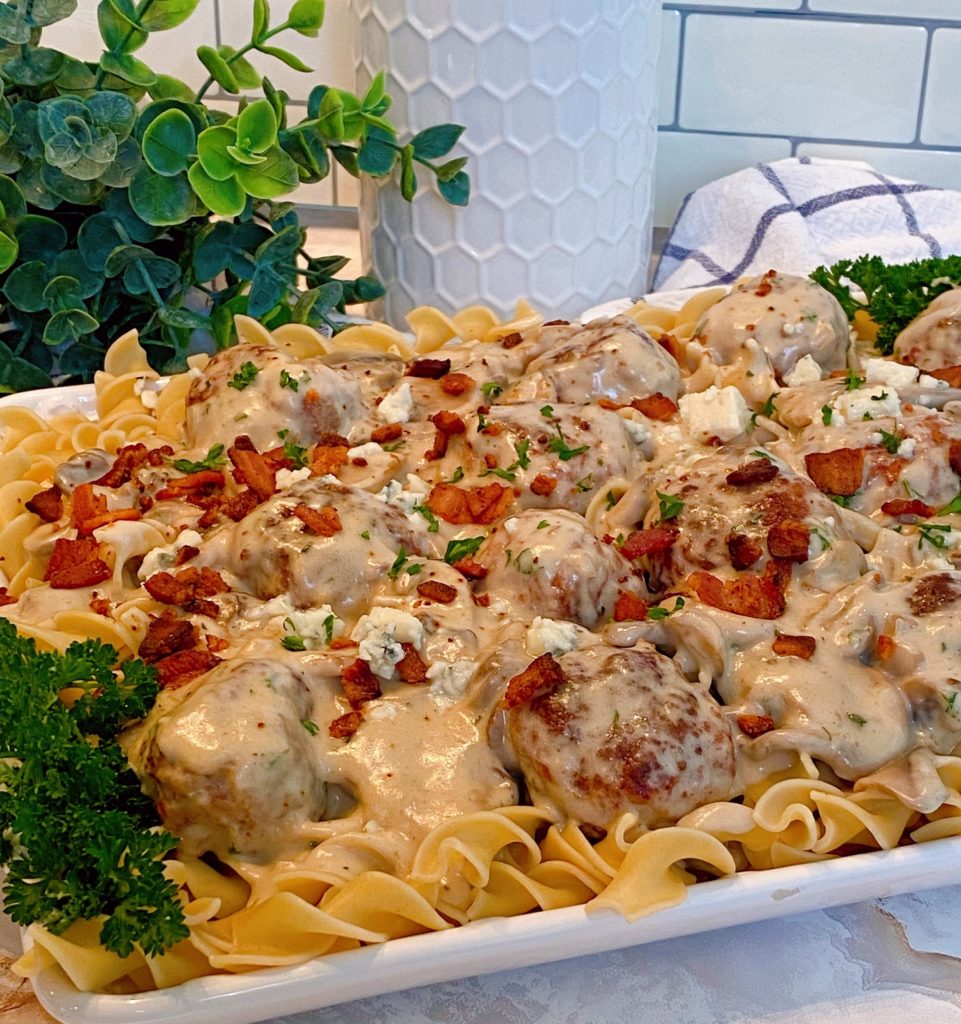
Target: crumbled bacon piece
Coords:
[[456, 383], [324, 522], [342, 643], [648, 542], [167, 635], [6, 598], [255, 470], [188, 589], [76, 563], [490, 461], [203, 482], [952, 374], [388, 432], [411, 668], [470, 568], [481, 600], [758, 471], [128, 460], [541, 677], [609, 405], [430, 369], [100, 605], [744, 551], [787, 646], [185, 553], [47, 504], [359, 683], [766, 285], [789, 539], [327, 459], [836, 472], [216, 643], [346, 725], [887, 647], [543, 485], [629, 608], [556, 323], [439, 448], [86, 505], [907, 507], [954, 456], [178, 669], [755, 725], [448, 422], [241, 505], [511, 340], [434, 590], [759, 597], [461, 505], [934, 592], [655, 407]]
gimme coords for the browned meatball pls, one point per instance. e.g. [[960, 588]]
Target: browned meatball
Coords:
[[933, 339], [625, 731]]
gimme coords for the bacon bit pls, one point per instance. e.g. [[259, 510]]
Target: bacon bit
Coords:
[[759, 597], [511, 340], [185, 553], [789, 540], [952, 374], [6, 598], [606, 403], [556, 323], [254, 470], [323, 522], [145, 503], [188, 589], [767, 284], [76, 563], [648, 542], [744, 551], [449, 423], [115, 516], [86, 504], [430, 369], [156, 456], [758, 471], [48, 504], [456, 383], [629, 608], [470, 568], [167, 635], [434, 590], [346, 725], [342, 643], [787, 646], [541, 677], [543, 485], [216, 643], [204, 482], [241, 505], [754, 725], [129, 459], [493, 429], [836, 472], [460, 505], [887, 648], [388, 432], [954, 456], [655, 407], [178, 669], [490, 461], [481, 600], [359, 683], [439, 448], [327, 458], [411, 668], [907, 507]]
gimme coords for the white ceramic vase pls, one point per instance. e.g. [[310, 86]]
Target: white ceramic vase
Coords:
[[559, 100]]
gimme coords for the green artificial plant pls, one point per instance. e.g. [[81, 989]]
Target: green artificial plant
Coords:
[[126, 201]]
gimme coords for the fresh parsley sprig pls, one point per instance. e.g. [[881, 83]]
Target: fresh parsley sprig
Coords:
[[212, 460]]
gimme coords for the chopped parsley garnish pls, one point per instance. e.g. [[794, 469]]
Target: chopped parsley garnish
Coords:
[[79, 838], [491, 388], [670, 506], [413, 569], [432, 524], [286, 381], [543, 524], [586, 483], [244, 377], [822, 537], [953, 507], [879, 398], [296, 454], [768, 408], [521, 462], [458, 549], [328, 627], [547, 411], [366, 535], [524, 562], [841, 499], [852, 381], [562, 449], [394, 571], [292, 641], [891, 442], [393, 446], [933, 533], [457, 475], [762, 454], [950, 702], [662, 613], [827, 414], [504, 474], [857, 719], [310, 726], [213, 459], [611, 500], [481, 420]]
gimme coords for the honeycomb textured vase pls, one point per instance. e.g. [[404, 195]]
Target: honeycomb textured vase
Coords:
[[559, 100]]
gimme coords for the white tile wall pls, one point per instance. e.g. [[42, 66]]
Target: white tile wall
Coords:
[[940, 167], [891, 8], [667, 70], [941, 125]]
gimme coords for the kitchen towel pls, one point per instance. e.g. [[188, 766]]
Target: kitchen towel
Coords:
[[796, 214]]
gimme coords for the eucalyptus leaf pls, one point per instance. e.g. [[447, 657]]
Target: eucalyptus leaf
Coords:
[[309, 152], [276, 176], [246, 74], [71, 264], [408, 179], [166, 14], [14, 205], [169, 143], [435, 142], [167, 87], [24, 376], [68, 326], [257, 127], [143, 277], [218, 68], [184, 319], [161, 200], [128, 68], [48, 12], [75, 79], [213, 152], [125, 164], [376, 157], [81, 192], [227, 246], [24, 286], [113, 112], [14, 27], [63, 292], [267, 288], [225, 198], [117, 203], [457, 190], [261, 19], [376, 90], [35, 67], [119, 27], [316, 302], [306, 16], [40, 238], [331, 115], [9, 249], [285, 57]]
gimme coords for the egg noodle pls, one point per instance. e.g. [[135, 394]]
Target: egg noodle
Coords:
[[801, 799]]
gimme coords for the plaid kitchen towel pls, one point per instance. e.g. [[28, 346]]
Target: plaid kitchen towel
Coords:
[[796, 214]]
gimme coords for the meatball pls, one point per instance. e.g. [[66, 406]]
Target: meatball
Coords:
[[550, 564], [231, 766], [790, 317], [625, 731], [375, 372], [933, 339], [612, 359], [272, 552], [254, 389]]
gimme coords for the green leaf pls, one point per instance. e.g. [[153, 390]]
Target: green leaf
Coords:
[[71, 263], [160, 272], [24, 376], [70, 188], [309, 151], [315, 302], [375, 91], [125, 165], [97, 238], [225, 198], [261, 20], [347, 158], [113, 112], [167, 87], [68, 326], [129, 68], [286, 57], [330, 117], [408, 180], [118, 25], [213, 152], [117, 203], [315, 99], [40, 238], [161, 200], [183, 319], [228, 246], [75, 79], [449, 170], [242, 157], [34, 67], [63, 292], [169, 143], [14, 27], [48, 12], [248, 77], [267, 289], [218, 69], [24, 286], [257, 127], [276, 176], [436, 141], [12, 198], [165, 14], [457, 190], [376, 156], [306, 17]]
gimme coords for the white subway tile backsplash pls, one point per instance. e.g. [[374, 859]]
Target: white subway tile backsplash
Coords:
[[927, 166], [946, 9], [667, 66], [804, 77], [941, 125], [754, 5], [687, 160]]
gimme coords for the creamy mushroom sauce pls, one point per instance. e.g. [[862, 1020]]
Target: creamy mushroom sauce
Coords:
[[580, 523]]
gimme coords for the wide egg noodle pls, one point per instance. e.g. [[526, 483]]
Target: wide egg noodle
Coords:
[[356, 885]]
